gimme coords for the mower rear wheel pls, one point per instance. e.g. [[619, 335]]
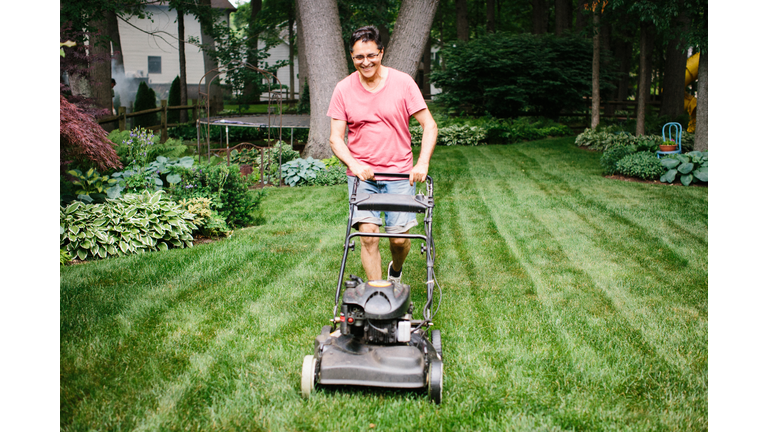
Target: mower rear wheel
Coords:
[[437, 343], [435, 381], [308, 369]]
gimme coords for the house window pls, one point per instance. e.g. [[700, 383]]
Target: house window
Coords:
[[154, 64]]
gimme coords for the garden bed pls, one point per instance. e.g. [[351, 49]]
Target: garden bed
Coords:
[[637, 180]]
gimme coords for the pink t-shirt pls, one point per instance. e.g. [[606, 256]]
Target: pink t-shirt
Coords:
[[378, 122]]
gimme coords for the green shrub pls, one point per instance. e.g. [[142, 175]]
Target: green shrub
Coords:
[[614, 154], [172, 148], [604, 138], [92, 184], [689, 168], [331, 176], [133, 223], [224, 186], [64, 256], [208, 221], [174, 99], [505, 75], [145, 99], [645, 166], [300, 172]]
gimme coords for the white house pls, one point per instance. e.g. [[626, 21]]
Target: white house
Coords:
[[154, 58]]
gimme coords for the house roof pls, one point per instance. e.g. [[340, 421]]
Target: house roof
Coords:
[[222, 4]]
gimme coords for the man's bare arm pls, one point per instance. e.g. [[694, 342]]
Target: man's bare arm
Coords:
[[428, 142], [340, 149]]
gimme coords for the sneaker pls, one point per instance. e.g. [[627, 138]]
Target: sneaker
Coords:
[[394, 280]]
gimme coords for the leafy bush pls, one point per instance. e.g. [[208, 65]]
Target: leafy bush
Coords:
[[134, 223], [208, 221], [331, 176], [224, 186], [122, 140], [523, 129], [145, 99], [64, 257], [174, 99], [82, 140], [690, 167], [604, 138], [505, 75], [611, 156], [641, 165], [90, 183], [300, 172]]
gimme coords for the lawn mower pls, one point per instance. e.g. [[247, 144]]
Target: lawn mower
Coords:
[[374, 340]]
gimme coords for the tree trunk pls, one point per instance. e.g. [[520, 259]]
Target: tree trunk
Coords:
[[410, 35], [303, 68], [426, 60], [673, 86], [182, 65], [700, 137], [644, 78], [540, 16], [251, 89], [462, 21], [118, 71], [490, 16], [596, 68], [563, 16], [209, 63], [327, 66], [581, 21], [624, 53], [100, 74], [291, 55]]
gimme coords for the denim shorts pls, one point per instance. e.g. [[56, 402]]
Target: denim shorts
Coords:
[[396, 222]]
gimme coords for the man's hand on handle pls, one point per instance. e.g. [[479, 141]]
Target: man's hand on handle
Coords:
[[418, 174]]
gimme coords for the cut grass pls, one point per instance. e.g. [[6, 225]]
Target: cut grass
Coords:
[[571, 302]]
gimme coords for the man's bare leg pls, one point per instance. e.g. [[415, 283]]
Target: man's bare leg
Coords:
[[370, 254], [399, 248]]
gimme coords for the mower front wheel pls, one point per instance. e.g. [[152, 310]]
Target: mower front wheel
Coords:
[[437, 343], [308, 369], [435, 381]]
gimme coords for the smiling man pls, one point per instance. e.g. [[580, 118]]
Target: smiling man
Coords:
[[376, 103]]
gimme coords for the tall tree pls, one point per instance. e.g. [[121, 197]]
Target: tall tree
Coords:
[[100, 73], [117, 48], [180, 12], [581, 15], [209, 59], [595, 65], [462, 21], [303, 68], [540, 16], [700, 137], [327, 65], [254, 28], [490, 16], [410, 35], [563, 16], [673, 96], [644, 77]]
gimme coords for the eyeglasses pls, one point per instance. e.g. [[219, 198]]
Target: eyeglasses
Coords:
[[370, 57]]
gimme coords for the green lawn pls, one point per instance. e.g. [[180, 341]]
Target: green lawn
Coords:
[[571, 302]]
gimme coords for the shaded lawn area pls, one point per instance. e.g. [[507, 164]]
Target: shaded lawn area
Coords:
[[570, 302]]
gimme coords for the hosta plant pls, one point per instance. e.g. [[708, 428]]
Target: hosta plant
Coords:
[[689, 168], [90, 183], [134, 223], [300, 172]]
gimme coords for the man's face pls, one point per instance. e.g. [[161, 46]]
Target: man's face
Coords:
[[371, 58]]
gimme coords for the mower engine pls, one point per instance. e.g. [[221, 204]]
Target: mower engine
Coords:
[[376, 312]]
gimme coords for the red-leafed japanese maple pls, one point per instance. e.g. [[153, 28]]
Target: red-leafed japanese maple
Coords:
[[83, 140]]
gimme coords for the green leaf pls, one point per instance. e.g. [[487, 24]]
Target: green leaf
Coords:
[[73, 207], [685, 168], [702, 174], [669, 163], [162, 246], [173, 179], [82, 254], [686, 179], [61, 230], [669, 176]]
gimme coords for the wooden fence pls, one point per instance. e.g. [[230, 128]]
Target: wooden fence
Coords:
[[122, 116]]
